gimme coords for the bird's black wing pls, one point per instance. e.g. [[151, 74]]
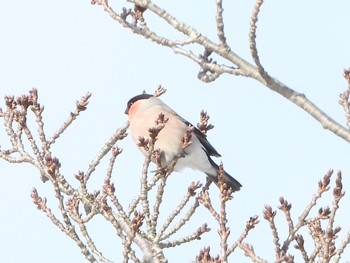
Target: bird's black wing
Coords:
[[203, 139]]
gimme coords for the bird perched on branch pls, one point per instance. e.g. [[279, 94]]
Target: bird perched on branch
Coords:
[[143, 111]]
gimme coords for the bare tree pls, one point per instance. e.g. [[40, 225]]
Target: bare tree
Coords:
[[209, 68], [143, 236], [139, 225]]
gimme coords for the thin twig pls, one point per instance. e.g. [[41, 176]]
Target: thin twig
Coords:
[[73, 208], [252, 222], [249, 252], [68, 230], [187, 216], [80, 106], [118, 135], [220, 22], [190, 193], [252, 36], [269, 215], [194, 236]]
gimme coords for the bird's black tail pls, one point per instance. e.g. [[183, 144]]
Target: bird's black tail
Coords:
[[229, 180]]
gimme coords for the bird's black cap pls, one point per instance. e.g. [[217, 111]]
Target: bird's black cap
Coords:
[[136, 98]]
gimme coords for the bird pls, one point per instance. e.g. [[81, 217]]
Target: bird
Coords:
[[144, 109]]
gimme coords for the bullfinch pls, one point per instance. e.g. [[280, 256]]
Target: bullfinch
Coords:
[[144, 109]]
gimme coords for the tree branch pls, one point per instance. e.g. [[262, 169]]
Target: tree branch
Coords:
[[238, 66]]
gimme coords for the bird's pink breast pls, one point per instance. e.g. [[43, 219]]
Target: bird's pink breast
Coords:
[[170, 137]]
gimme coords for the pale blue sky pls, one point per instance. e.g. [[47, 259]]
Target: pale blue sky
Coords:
[[66, 48]]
